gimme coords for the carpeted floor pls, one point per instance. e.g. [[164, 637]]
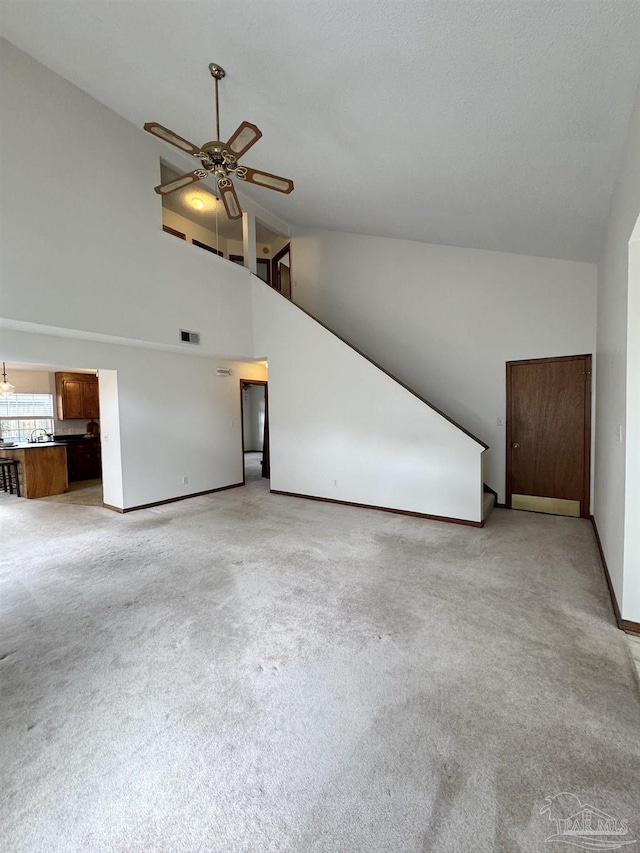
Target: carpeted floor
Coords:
[[246, 672], [83, 493]]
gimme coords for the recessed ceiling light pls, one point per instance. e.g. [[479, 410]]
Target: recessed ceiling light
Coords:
[[197, 203]]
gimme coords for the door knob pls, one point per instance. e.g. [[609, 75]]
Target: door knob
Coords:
[[516, 446]]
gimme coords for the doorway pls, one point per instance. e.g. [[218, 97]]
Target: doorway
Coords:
[[549, 435], [281, 271], [254, 409]]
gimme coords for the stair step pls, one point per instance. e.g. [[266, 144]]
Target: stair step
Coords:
[[488, 502]]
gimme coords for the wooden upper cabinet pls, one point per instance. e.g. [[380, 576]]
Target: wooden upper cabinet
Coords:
[[90, 400], [71, 396], [77, 396]]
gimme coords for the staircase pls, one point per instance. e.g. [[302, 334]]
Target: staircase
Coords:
[[488, 503], [343, 429]]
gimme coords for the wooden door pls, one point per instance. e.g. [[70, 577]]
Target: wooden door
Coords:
[[91, 402], [72, 399], [281, 271], [285, 281], [549, 435]]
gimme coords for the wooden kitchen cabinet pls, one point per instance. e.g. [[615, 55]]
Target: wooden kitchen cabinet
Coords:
[[83, 460], [90, 399], [42, 469], [77, 396]]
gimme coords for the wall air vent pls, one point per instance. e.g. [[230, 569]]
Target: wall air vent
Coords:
[[189, 337]]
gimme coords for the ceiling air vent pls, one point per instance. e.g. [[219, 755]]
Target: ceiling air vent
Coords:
[[189, 337]]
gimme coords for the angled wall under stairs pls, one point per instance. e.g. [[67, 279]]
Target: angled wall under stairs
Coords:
[[342, 429]]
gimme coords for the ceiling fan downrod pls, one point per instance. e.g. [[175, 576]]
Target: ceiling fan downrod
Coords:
[[217, 73]]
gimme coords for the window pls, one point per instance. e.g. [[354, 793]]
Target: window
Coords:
[[20, 414]]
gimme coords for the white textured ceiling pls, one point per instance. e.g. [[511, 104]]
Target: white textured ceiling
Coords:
[[496, 125]]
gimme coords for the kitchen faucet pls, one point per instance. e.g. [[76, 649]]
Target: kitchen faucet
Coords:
[[35, 436]]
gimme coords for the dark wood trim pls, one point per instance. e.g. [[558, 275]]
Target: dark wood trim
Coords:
[[178, 234], [267, 262], [551, 358], [585, 502], [266, 442], [172, 500], [586, 506], [265, 450], [274, 270], [380, 508], [629, 627], [208, 248], [382, 369], [624, 624], [507, 447]]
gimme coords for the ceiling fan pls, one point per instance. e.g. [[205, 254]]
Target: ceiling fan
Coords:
[[220, 159]]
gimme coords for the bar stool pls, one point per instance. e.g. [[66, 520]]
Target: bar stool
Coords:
[[10, 477]]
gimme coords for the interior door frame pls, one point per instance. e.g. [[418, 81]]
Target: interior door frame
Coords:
[[585, 501], [266, 468], [275, 279], [267, 262]]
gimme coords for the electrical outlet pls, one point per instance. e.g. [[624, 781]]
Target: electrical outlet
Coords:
[[185, 480], [335, 482], [619, 434]]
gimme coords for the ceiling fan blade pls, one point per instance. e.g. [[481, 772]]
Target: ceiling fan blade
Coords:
[[242, 140], [264, 179], [229, 198], [181, 181], [172, 138]]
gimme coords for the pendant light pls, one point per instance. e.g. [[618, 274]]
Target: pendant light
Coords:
[[6, 388]]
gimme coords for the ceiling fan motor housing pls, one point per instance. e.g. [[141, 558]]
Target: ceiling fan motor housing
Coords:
[[216, 159]]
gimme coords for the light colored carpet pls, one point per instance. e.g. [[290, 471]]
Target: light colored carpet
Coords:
[[246, 672], [252, 466], [82, 493]]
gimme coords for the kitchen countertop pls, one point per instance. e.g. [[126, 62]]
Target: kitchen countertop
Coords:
[[26, 445]]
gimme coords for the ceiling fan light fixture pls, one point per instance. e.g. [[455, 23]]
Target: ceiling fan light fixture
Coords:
[[197, 203]]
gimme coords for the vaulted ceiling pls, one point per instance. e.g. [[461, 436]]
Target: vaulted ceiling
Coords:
[[497, 124]]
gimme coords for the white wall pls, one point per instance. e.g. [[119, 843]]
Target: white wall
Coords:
[[614, 318], [342, 429], [168, 413], [631, 575], [253, 413], [29, 381], [446, 320], [111, 448], [82, 242]]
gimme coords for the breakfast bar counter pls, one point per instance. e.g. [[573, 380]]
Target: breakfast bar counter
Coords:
[[42, 468]]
